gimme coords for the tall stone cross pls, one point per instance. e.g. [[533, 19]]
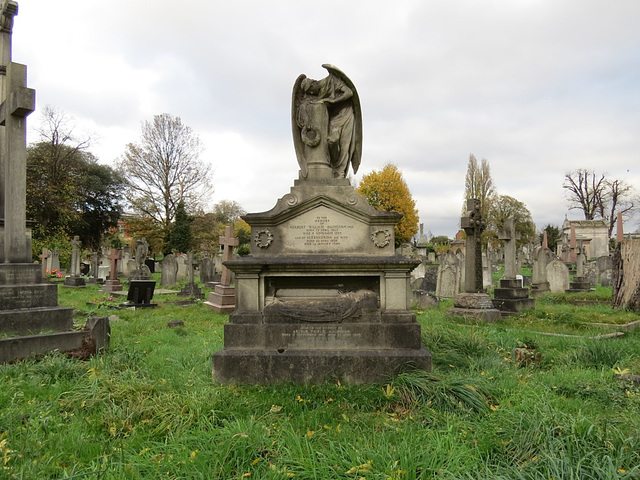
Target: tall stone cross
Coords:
[[114, 256], [18, 102], [227, 243], [43, 258], [191, 263], [473, 225], [509, 235]]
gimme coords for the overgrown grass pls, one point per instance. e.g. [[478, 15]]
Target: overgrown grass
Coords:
[[149, 409]]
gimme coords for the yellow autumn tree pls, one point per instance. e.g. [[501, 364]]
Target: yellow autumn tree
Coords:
[[386, 190]]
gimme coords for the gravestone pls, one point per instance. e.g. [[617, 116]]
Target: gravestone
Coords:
[[541, 257], [74, 279], [323, 296], [169, 271], [557, 276], [511, 297], [53, 262], [207, 271], [448, 276], [191, 289], [181, 273], [430, 280], [487, 277], [27, 303], [580, 282], [140, 294], [431, 257], [113, 284], [223, 298], [43, 259], [473, 302]]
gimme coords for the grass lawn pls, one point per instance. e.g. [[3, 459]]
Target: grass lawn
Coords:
[[149, 409]]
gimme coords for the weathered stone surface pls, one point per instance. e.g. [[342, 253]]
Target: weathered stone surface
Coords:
[[34, 320], [423, 299], [316, 366], [557, 276]]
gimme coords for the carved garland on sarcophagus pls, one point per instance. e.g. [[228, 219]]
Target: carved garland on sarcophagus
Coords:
[[263, 238], [381, 238]]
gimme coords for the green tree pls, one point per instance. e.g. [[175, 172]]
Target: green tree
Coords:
[[554, 235], [478, 184], [386, 190], [180, 235], [164, 169], [68, 191], [504, 207]]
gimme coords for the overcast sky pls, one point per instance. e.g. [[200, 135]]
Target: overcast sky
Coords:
[[537, 87]]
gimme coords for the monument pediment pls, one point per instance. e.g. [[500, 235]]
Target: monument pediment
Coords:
[[323, 225]]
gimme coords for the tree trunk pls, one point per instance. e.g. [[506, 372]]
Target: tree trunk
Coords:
[[626, 275]]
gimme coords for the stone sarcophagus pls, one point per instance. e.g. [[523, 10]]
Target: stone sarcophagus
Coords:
[[323, 296]]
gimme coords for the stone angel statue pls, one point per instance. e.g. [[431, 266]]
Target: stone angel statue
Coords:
[[327, 125]]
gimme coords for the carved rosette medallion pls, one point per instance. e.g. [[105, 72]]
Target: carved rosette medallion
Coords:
[[381, 238], [263, 238]]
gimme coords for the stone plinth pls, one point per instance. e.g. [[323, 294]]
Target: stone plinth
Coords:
[[511, 297], [540, 288], [191, 290], [222, 299], [27, 305], [74, 281], [579, 284], [112, 286], [477, 306]]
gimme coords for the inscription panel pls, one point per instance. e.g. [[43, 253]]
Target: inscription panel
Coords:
[[323, 230]]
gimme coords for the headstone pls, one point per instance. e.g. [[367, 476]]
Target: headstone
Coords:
[[113, 284], [473, 302], [511, 296], [169, 271], [580, 282], [557, 276], [74, 279], [181, 273], [322, 295], [487, 276], [430, 281], [140, 294], [43, 259], [191, 289], [27, 304], [222, 299], [54, 261], [207, 270], [422, 299], [448, 276], [431, 257], [541, 258]]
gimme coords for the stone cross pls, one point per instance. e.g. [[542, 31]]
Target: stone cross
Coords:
[[19, 102], [75, 256], [43, 258], [191, 263], [473, 224], [509, 235], [227, 243], [114, 257]]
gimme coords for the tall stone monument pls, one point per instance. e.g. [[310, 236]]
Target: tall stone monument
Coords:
[[74, 279], [474, 302], [27, 303], [511, 297], [323, 295]]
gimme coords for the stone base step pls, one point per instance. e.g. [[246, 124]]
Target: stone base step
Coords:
[[268, 367], [27, 321]]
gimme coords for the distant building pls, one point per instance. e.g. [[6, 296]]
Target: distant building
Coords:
[[593, 233]]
